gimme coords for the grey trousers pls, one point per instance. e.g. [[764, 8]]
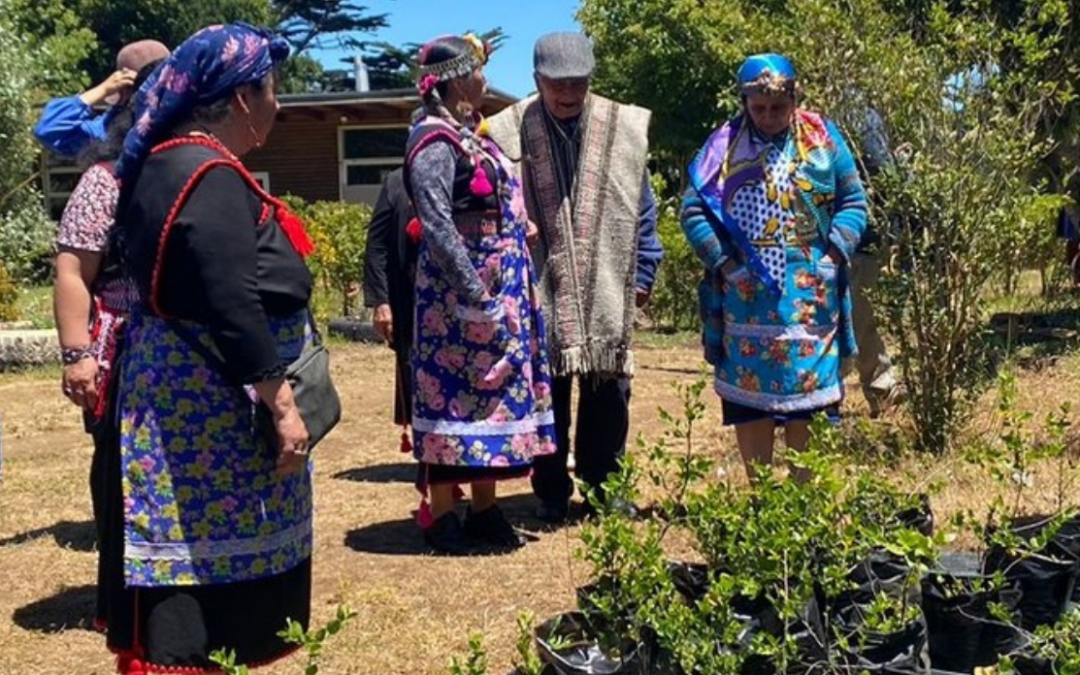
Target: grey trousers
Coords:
[[872, 361]]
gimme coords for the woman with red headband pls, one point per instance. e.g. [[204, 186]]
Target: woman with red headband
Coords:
[[482, 402]]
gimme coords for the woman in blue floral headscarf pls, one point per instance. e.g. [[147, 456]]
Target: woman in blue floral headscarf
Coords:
[[775, 211], [216, 521]]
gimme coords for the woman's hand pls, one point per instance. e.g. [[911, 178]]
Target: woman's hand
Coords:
[[833, 256], [292, 433], [79, 383], [292, 441], [532, 232]]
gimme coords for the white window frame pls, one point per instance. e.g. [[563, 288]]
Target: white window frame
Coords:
[[264, 179], [344, 164], [47, 172]]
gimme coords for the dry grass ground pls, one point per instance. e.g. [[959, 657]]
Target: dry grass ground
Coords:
[[414, 610]]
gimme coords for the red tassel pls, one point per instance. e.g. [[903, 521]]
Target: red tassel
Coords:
[[480, 185], [406, 444], [423, 516], [413, 230], [294, 230], [129, 664]]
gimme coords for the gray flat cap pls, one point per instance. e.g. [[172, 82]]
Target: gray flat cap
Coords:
[[561, 56]]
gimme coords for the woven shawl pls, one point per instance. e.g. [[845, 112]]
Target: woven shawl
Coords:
[[586, 255]]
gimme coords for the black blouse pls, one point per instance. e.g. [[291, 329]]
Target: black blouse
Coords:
[[223, 263]]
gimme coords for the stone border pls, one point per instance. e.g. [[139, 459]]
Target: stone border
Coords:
[[24, 348]]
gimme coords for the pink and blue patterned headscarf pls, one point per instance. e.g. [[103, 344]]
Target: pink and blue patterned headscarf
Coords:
[[207, 67]]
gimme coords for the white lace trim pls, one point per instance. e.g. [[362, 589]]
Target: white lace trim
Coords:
[[202, 550], [450, 428], [794, 332], [779, 403]]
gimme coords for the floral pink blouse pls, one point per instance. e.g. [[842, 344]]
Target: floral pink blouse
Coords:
[[85, 226]]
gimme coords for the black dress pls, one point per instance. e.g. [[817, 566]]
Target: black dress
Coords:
[[195, 277]]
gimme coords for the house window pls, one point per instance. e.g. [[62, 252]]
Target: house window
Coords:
[[367, 155], [263, 178], [58, 180]]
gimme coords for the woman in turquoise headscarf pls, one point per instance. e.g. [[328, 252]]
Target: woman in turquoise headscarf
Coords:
[[774, 210]]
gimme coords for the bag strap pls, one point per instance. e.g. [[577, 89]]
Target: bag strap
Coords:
[[212, 358]]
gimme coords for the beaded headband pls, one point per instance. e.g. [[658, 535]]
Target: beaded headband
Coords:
[[770, 83], [459, 66]]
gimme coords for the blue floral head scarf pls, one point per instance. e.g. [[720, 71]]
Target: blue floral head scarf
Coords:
[[207, 67], [768, 73]]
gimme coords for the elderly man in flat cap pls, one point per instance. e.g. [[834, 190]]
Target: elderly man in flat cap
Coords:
[[68, 125], [583, 165]]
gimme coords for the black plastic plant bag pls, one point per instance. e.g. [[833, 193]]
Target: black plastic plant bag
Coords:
[[919, 518], [807, 631], [903, 652], [881, 573], [567, 647], [1067, 542], [962, 631], [1046, 579], [956, 616], [691, 579]]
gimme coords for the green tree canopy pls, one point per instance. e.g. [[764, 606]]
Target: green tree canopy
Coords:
[[118, 22], [980, 94]]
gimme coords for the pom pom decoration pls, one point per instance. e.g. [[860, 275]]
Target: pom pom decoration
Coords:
[[480, 185]]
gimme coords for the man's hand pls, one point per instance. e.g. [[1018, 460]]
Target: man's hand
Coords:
[[114, 89], [383, 320]]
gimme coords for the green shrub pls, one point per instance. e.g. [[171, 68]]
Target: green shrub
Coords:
[[674, 302], [26, 240], [339, 231], [9, 296]]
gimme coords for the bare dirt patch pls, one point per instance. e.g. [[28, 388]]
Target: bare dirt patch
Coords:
[[414, 610]]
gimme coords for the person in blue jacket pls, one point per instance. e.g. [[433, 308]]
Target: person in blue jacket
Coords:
[[775, 211], [69, 124]]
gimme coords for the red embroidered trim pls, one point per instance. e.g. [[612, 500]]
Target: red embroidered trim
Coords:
[[287, 220], [289, 223], [174, 213], [130, 664], [431, 137]]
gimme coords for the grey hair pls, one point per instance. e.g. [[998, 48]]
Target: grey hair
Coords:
[[218, 111], [214, 113]]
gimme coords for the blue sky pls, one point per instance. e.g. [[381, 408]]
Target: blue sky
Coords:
[[522, 21]]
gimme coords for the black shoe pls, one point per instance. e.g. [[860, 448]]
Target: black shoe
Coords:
[[490, 526], [447, 536], [555, 513]]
